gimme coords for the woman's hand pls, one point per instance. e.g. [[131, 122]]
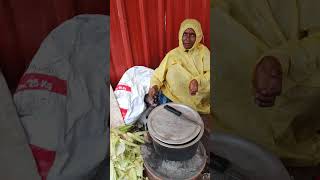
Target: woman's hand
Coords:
[[152, 95], [267, 81], [193, 87]]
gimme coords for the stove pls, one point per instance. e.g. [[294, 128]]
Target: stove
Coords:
[[158, 168]]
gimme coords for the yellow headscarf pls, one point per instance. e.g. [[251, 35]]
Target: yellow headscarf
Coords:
[[196, 26]]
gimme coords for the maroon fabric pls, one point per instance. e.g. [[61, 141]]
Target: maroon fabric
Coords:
[[25, 24]]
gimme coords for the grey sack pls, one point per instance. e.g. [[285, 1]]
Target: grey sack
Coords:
[[63, 97]]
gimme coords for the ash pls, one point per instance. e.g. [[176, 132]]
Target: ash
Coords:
[[173, 169]]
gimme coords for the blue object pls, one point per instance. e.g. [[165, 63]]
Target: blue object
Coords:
[[162, 99]]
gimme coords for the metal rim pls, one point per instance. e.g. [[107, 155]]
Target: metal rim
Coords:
[[173, 143], [179, 146]]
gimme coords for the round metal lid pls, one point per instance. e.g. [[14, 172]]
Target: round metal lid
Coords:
[[172, 129]]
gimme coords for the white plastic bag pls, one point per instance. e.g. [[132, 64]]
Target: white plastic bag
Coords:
[[116, 118], [130, 92], [62, 100]]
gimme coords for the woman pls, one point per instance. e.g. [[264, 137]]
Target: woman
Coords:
[[270, 48], [184, 74]]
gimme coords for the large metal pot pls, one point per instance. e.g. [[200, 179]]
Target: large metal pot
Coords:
[[176, 152], [174, 136]]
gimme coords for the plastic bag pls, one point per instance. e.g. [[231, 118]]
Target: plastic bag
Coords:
[[130, 92], [116, 118], [62, 99]]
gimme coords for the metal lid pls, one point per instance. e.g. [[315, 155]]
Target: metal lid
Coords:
[[172, 129]]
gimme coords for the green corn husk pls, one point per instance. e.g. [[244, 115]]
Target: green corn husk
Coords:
[[125, 154]]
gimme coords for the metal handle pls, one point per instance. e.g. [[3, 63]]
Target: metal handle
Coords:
[[178, 113], [173, 110]]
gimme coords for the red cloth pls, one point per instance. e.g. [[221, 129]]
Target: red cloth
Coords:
[[44, 160]]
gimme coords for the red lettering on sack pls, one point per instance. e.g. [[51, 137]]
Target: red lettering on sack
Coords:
[[36, 81], [123, 112], [123, 87]]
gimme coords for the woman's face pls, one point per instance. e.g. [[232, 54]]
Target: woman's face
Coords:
[[188, 38]]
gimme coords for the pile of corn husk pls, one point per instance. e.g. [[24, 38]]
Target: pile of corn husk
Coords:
[[126, 162]]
